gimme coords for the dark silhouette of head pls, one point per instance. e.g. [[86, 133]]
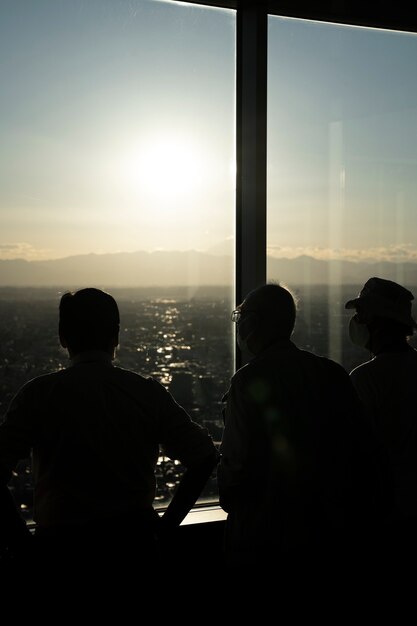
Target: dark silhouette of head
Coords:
[[267, 315], [88, 320], [384, 298], [382, 314]]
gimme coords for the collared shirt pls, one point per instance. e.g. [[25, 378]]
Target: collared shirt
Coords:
[[95, 432], [285, 476]]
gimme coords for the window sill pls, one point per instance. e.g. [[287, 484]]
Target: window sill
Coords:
[[199, 515], [204, 514]]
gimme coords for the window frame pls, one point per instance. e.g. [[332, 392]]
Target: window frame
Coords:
[[251, 115], [251, 131], [251, 111]]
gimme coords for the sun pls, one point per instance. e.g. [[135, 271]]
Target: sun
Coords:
[[167, 165]]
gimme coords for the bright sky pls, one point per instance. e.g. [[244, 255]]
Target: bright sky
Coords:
[[117, 127], [117, 132], [342, 142]]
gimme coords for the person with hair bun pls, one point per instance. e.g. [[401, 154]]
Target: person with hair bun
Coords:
[[95, 432]]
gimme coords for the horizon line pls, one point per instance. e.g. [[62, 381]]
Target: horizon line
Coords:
[[357, 261]]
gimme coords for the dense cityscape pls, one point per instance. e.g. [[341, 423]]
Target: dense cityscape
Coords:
[[185, 341]]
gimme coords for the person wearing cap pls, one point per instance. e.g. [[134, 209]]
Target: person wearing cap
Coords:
[[95, 432], [382, 324], [290, 475]]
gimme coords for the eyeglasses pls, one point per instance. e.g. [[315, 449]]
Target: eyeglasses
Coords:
[[236, 315]]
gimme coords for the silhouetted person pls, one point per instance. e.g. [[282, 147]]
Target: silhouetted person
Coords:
[[94, 431], [291, 474], [386, 386]]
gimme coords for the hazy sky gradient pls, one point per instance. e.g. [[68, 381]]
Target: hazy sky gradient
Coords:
[[117, 126], [117, 132], [342, 142]]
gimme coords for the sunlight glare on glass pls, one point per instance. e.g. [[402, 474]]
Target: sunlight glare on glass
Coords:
[[167, 166]]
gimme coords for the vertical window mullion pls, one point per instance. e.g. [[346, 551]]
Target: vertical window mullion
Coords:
[[251, 99]]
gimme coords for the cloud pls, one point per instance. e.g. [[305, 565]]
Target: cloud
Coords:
[[22, 250], [400, 252], [395, 253]]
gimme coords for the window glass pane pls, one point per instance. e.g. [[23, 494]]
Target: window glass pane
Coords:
[[116, 171], [342, 165]]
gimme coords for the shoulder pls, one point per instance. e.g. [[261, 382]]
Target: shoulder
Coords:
[[362, 369], [242, 374], [318, 359], [323, 361], [35, 390], [245, 376], [281, 359], [323, 366], [386, 365], [130, 375], [147, 386], [43, 381], [331, 378]]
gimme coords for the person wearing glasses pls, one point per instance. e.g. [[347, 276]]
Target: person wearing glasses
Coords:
[[293, 474]]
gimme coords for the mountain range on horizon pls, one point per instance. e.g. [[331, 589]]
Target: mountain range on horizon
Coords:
[[174, 268]]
